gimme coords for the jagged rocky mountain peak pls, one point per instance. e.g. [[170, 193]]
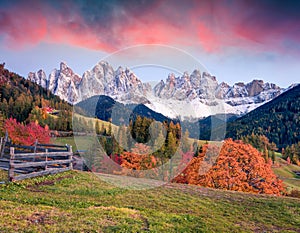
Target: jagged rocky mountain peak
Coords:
[[239, 84], [63, 66], [198, 88], [196, 72], [209, 76], [39, 77], [224, 85], [195, 78]]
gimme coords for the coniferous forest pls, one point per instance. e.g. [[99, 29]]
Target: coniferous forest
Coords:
[[278, 120]]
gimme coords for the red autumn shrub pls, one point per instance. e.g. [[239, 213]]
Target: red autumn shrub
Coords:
[[26, 135]]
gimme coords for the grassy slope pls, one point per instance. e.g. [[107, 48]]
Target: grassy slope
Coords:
[[286, 173], [81, 202], [3, 175]]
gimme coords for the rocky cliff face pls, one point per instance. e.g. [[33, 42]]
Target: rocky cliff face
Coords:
[[65, 83], [199, 89], [96, 81], [254, 92], [39, 78], [206, 88], [189, 87], [121, 84]]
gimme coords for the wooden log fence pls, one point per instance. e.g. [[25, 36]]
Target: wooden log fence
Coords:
[[44, 163], [23, 162], [48, 160]]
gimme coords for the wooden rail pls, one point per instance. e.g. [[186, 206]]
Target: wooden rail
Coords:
[[44, 163]]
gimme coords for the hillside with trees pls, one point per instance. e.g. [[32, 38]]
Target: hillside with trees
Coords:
[[142, 136], [137, 138], [278, 120], [292, 153], [202, 129], [27, 102]]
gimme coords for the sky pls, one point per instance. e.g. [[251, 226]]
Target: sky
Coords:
[[234, 40]]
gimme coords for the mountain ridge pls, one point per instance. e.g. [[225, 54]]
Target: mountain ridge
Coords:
[[199, 89], [107, 109]]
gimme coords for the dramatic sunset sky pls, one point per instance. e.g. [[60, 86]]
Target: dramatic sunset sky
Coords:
[[235, 40]]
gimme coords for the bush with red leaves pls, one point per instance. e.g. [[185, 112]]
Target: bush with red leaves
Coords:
[[26, 134]]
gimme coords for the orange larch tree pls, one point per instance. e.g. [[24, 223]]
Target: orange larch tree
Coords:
[[137, 160], [238, 167]]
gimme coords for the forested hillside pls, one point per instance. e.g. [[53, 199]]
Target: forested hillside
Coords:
[[278, 120], [201, 129], [26, 101]]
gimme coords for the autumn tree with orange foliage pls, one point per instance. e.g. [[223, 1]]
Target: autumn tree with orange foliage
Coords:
[[137, 160], [238, 167]]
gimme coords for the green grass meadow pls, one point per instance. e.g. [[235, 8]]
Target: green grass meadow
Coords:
[[81, 202]]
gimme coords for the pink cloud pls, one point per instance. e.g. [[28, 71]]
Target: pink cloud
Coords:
[[22, 27], [212, 26]]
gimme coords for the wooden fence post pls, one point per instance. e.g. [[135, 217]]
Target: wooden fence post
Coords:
[[46, 159], [4, 143], [35, 145], [11, 164], [1, 144], [70, 157]]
